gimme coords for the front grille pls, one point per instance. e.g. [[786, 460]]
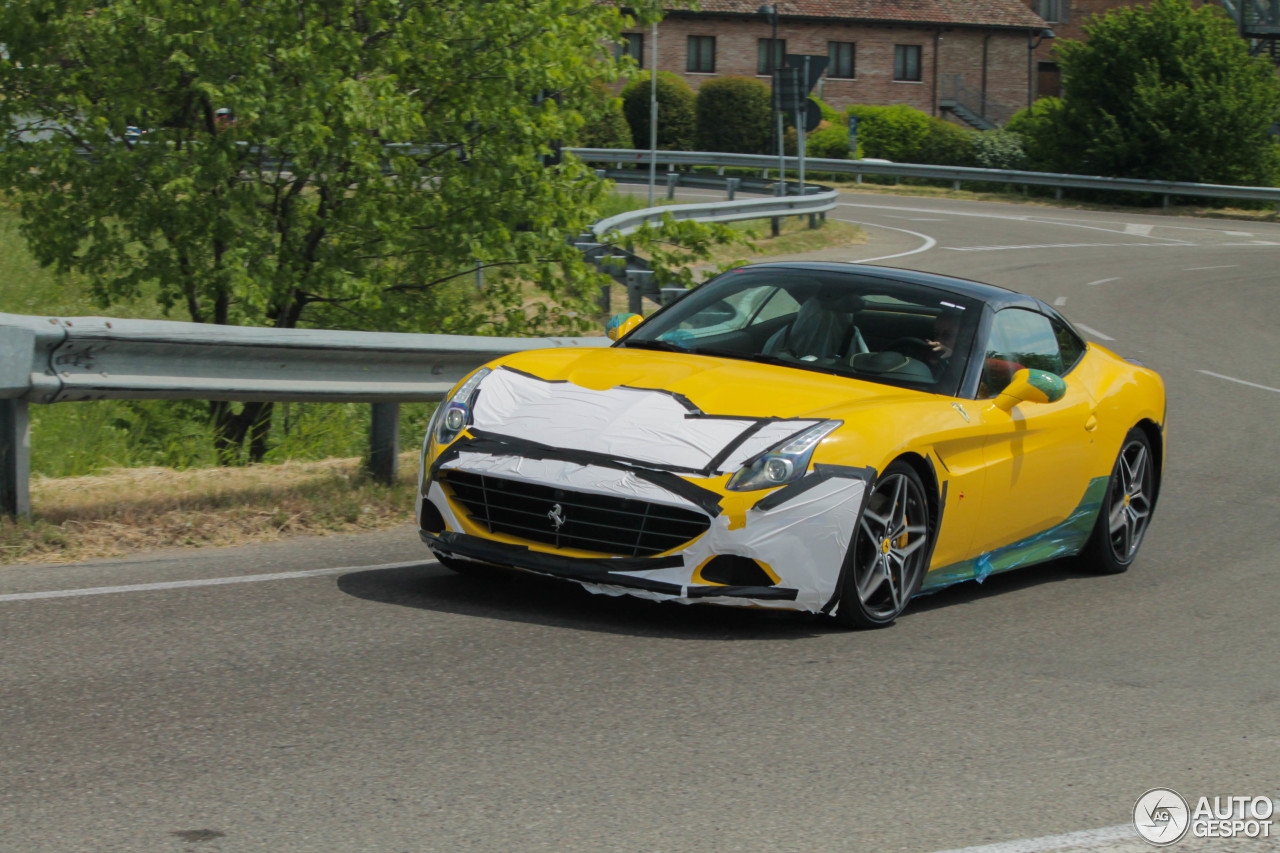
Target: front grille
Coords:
[[605, 524]]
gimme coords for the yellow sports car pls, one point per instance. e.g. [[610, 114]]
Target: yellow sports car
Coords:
[[830, 438]]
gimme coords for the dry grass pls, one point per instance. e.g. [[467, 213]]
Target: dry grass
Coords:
[[128, 511]]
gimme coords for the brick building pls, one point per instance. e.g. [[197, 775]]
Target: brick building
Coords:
[[969, 60]]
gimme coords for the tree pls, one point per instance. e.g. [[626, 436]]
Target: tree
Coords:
[[1166, 92], [735, 115], [309, 162], [675, 111]]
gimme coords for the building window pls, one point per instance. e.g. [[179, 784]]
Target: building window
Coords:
[[767, 60], [906, 62], [840, 56], [1051, 10], [702, 54], [632, 45]]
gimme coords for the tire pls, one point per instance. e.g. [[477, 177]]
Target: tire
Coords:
[[889, 552], [1126, 509]]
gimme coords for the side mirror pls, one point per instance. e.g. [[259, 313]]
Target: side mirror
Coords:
[[621, 324], [1031, 386]]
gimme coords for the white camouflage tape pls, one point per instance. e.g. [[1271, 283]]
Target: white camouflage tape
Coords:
[[628, 423]]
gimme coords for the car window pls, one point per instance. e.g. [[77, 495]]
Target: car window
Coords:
[[867, 327], [1069, 343], [779, 303], [1019, 339]]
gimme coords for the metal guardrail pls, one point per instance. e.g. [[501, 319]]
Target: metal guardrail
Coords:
[[955, 174], [57, 359], [820, 200]]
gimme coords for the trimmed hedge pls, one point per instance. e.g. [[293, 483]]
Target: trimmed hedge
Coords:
[[905, 135], [676, 115], [734, 115]]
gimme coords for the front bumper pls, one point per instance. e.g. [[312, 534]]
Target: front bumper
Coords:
[[800, 532], [602, 572]]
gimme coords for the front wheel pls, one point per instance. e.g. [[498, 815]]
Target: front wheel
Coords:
[[1126, 510], [886, 563]]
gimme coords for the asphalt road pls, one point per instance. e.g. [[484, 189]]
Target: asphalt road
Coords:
[[362, 698]]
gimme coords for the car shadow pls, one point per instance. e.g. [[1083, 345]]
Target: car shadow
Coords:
[[520, 597]]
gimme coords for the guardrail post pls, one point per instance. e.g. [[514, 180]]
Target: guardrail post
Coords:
[[731, 187], [673, 179], [636, 281], [384, 441], [15, 459]]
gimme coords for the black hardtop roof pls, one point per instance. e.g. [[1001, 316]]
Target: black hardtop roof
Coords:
[[990, 294]]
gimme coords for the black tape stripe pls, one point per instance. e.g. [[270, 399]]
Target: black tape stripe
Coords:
[[538, 450], [846, 565], [820, 474], [704, 499], [719, 458]]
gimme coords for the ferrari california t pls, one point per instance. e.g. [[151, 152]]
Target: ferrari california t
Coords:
[[829, 438]]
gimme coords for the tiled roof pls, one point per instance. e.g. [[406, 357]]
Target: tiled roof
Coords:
[[990, 13]]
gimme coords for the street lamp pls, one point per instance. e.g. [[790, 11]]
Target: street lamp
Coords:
[[1032, 43]]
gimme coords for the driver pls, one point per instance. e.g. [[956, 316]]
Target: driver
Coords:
[[946, 328]]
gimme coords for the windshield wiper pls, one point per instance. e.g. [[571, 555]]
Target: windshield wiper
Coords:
[[664, 346]]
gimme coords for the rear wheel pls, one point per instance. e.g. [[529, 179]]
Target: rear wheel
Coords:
[[1126, 510], [890, 545]]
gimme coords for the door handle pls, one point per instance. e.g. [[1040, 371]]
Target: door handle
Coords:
[[1091, 423]]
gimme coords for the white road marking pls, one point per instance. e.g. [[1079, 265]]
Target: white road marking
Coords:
[[1104, 835], [148, 587], [1060, 301], [1253, 243], [919, 218], [1067, 246], [1093, 332], [1140, 230], [1103, 281], [929, 242], [1218, 267], [1035, 220], [1237, 233], [1233, 379]]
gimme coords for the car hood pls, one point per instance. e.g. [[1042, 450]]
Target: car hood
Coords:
[[715, 385], [687, 413]]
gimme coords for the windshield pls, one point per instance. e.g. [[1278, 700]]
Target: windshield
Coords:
[[844, 323]]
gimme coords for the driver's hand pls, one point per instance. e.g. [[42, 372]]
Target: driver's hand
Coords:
[[940, 349]]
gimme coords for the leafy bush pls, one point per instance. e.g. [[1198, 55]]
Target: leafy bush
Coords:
[[734, 114], [1163, 91], [830, 141], [999, 149], [905, 135], [676, 113], [605, 125], [894, 133], [1041, 128], [947, 144]]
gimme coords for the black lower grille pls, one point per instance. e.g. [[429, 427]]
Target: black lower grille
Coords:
[[567, 519]]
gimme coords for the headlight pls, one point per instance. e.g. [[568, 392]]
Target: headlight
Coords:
[[781, 464], [454, 414]]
